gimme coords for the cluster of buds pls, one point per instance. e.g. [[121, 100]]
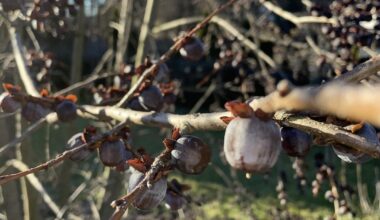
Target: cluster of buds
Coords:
[[35, 108], [156, 91], [52, 16]]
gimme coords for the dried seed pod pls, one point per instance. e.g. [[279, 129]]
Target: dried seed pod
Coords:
[[191, 154], [76, 141], [193, 49], [151, 99], [8, 103], [251, 144], [150, 197], [33, 112], [295, 143], [350, 155], [112, 153], [66, 111]]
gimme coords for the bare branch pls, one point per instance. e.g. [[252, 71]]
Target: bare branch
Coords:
[[125, 22], [93, 76], [361, 71], [212, 121], [295, 19], [33, 180], [223, 24], [355, 102], [173, 49], [21, 63], [191, 122], [146, 26], [50, 118], [58, 159], [327, 131]]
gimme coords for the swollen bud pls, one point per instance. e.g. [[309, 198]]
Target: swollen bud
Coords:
[[66, 111], [112, 153], [33, 112], [191, 154], [8, 103], [295, 143], [251, 144], [150, 197], [193, 49], [76, 141]]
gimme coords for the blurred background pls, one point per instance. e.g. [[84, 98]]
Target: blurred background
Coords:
[[247, 49]]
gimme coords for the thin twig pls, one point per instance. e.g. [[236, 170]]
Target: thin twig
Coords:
[[145, 27], [33, 180], [21, 62], [58, 159], [125, 23], [224, 24], [93, 76], [295, 19], [173, 49]]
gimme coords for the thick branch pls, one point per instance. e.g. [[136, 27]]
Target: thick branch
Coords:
[[328, 131], [191, 122], [354, 102], [212, 121]]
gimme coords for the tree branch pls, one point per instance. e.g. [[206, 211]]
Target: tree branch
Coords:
[[295, 19], [21, 63], [223, 24], [173, 49], [212, 121], [354, 102], [58, 159]]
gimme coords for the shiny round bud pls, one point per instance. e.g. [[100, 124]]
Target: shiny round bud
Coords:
[[76, 141], [252, 144], [150, 197], [151, 99], [8, 103], [191, 154], [33, 112], [295, 143], [66, 111], [112, 153], [193, 50]]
